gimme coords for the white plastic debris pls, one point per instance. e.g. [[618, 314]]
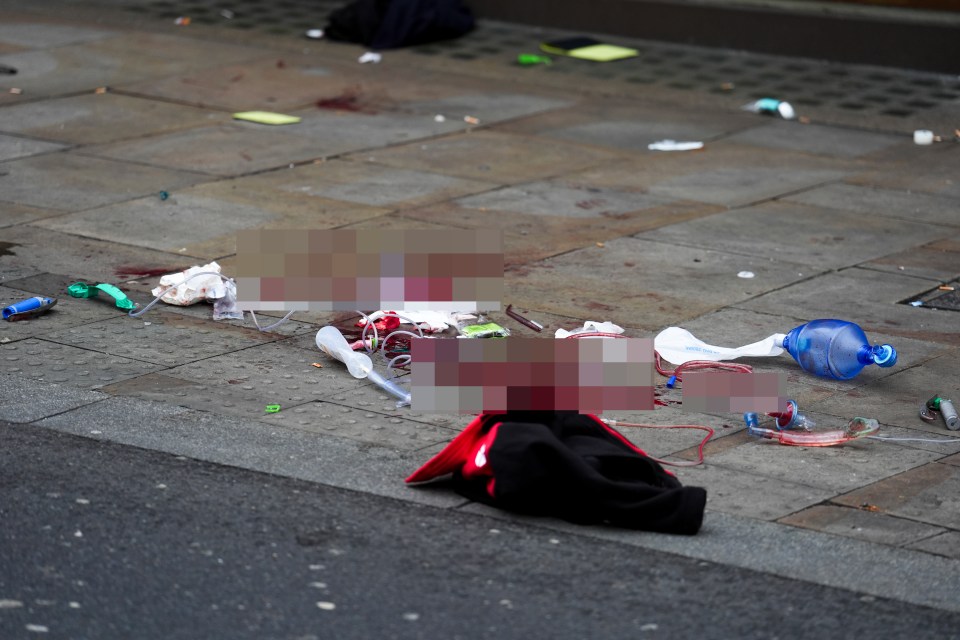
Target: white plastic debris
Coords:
[[678, 345], [590, 326], [746, 274], [189, 290], [673, 145], [772, 106], [315, 34], [370, 56], [923, 137]]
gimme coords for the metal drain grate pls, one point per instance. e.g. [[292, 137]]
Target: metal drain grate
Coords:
[[945, 297], [809, 83]]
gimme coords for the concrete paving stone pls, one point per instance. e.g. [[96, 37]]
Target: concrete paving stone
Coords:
[[488, 107], [12, 147], [45, 361], [366, 425], [99, 118], [837, 469], [548, 198], [642, 283], [954, 460], [239, 148], [531, 237], [42, 35], [324, 77], [861, 524], [818, 139], [252, 445], [380, 423], [931, 170], [939, 260], [896, 399], [867, 297], [929, 437], [111, 61], [630, 125], [812, 236], [272, 82], [723, 173], [68, 312], [83, 181], [490, 156], [203, 221], [740, 492], [33, 250], [364, 183], [227, 149], [169, 339], [928, 493], [902, 205], [797, 554], [14, 214], [946, 544], [25, 401], [279, 370]]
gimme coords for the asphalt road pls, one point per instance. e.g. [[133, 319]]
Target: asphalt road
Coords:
[[104, 541]]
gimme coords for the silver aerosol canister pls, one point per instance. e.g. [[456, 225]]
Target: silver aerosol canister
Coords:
[[949, 413]]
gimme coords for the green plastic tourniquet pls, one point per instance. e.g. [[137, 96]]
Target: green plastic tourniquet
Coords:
[[83, 290]]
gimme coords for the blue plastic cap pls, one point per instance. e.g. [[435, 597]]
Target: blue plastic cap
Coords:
[[885, 355], [671, 381]]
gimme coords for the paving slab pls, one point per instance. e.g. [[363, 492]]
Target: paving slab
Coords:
[[532, 231], [167, 339], [12, 147], [553, 198], [631, 125], [818, 139], [946, 544], [67, 313], [862, 524], [835, 469], [490, 156], [928, 493], [488, 107], [869, 298], [99, 118], [277, 371], [239, 148], [896, 399], [931, 170], [901, 205], [22, 402], [203, 221], [45, 361], [364, 183], [325, 459], [37, 35], [740, 492], [83, 181], [108, 61], [938, 260], [816, 237], [35, 250], [666, 283], [13, 214], [727, 174]]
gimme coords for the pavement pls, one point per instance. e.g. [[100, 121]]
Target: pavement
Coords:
[[837, 215]]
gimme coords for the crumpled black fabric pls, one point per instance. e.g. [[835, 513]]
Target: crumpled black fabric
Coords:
[[389, 24], [570, 466]]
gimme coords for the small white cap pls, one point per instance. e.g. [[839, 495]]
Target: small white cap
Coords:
[[786, 111], [923, 136], [314, 34]]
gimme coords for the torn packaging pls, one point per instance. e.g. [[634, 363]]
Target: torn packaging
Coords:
[[567, 465]]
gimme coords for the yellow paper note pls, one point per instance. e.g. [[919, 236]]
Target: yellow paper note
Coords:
[[266, 117]]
